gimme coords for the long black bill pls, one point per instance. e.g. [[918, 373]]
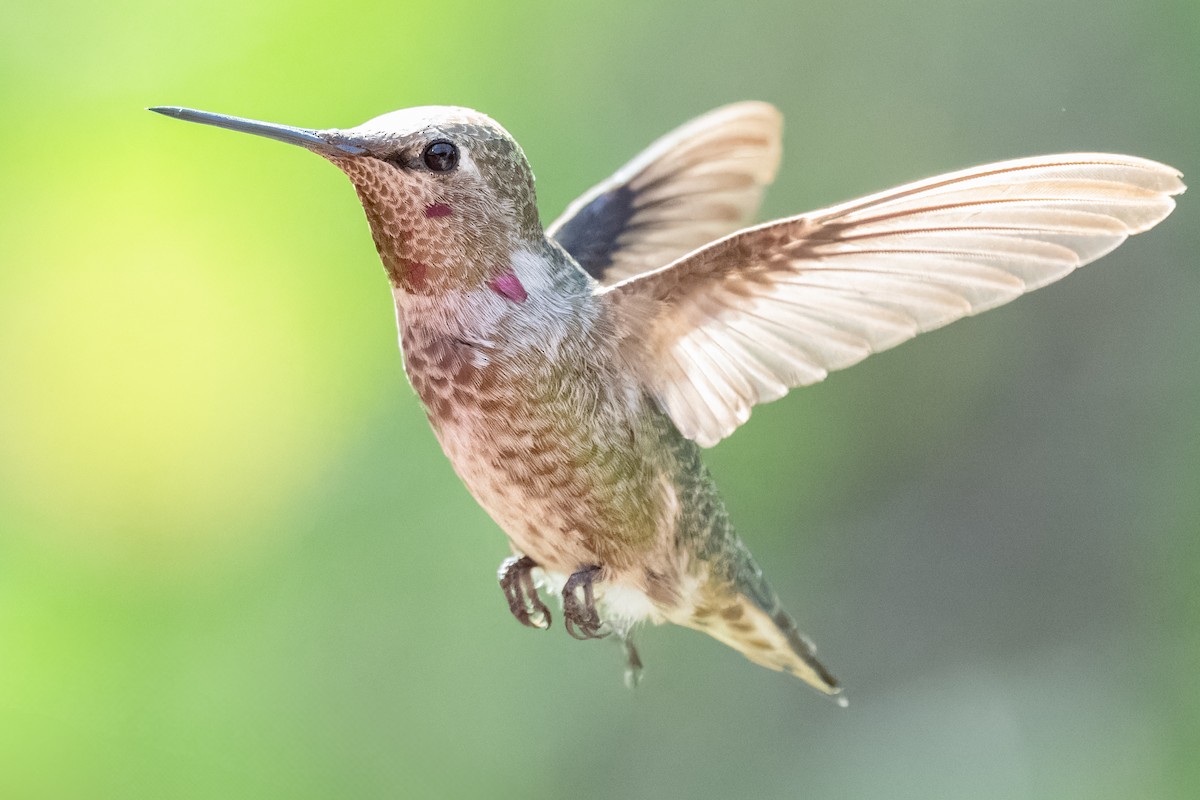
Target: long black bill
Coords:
[[325, 142]]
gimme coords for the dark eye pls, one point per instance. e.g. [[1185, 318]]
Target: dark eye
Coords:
[[440, 156]]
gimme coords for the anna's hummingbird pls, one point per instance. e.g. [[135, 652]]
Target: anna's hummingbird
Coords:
[[573, 373]]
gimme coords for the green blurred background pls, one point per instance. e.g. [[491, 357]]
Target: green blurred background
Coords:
[[234, 563]]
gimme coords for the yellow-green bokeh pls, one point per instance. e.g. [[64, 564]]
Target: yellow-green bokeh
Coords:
[[233, 562]]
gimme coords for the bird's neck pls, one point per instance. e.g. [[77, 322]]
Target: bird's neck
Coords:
[[528, 295], [422, 262]]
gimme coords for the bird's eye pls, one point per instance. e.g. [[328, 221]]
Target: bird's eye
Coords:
[[441, 156]]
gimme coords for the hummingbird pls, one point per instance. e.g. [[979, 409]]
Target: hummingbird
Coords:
[[573, 373]]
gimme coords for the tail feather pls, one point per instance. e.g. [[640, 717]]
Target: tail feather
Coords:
[[768, 638]]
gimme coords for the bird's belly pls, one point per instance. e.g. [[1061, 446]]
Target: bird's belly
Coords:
[[565, 495], [568, 456]]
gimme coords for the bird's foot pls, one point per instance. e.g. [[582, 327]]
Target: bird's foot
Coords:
[[516, 579], [579, 614]]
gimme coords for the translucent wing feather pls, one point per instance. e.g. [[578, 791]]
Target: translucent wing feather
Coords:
[[696, 184], [740, 321]]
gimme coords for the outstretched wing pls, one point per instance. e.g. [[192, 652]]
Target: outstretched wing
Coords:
[[696, 184], [782, 304]]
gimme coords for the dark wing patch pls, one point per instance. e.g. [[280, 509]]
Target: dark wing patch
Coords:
[[591, 236], [696, 184]]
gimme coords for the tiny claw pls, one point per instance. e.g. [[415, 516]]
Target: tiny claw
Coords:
[[535, 602], [580, 617], [633, 664], [516, 581]]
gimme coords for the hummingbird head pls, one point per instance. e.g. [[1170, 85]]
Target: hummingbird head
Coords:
[[447, 191]]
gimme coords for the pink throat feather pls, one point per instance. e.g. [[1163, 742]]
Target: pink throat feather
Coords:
[[509, 285]]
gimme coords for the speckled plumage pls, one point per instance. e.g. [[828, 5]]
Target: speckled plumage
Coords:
[[556, 439], [572, 375]]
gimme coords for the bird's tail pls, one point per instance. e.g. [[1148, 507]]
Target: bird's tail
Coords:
[[764, 633]]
